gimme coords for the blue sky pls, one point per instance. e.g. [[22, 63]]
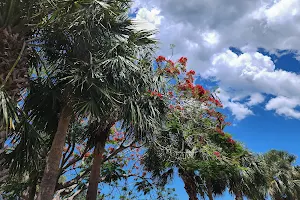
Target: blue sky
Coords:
[[258, 79]]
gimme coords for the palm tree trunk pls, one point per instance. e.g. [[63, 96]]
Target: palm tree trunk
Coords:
[[101, 139], [32, 187], [189, 184], [3, 169], [238, 195], [51, 172], [209, 190]]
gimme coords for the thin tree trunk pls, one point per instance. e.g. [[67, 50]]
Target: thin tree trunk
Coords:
[[32, 188], [3, 168], [238, 195], [47, 187], [189, 184], [209, 190], [101, 139]]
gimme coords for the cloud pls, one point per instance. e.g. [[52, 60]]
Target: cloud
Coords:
[[255, 98], [259, 23], [204, 30], [238, 110], [284, 106], [148, 19], [253, 74]]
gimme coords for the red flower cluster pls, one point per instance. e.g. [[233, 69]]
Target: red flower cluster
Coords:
[[231, 141], [198, 90], [171, 63], [179, 107], [217, 154], [160, 59], [155, 93], [172, 70], [111, 149], [215, 101], [117, 139], [87, 154], [220, 131], [191, 73], [183, 61]]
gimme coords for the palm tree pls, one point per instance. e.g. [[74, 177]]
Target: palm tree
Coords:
[[247, 180], [18, 20], [189, 184], [91, 67], [18, 25], [282, 177]]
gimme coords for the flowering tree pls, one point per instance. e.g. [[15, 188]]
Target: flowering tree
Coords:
[[192, 138]]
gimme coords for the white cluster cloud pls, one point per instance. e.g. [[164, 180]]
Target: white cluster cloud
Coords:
[[204, 30], [252, 75], [149, 18], [284, 106], [255, 98]]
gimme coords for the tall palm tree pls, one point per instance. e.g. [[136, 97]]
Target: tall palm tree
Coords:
[[190, 185], [18, 20], [282, 176], [248, 180], [91, 67], [18, 25]]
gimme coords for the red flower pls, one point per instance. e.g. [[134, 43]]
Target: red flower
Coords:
[[218, 103], [188, 81], [190, 86], [191, 72], [160, 59], [78, 148], [160, 95], [183, 61], [231, 141], [220, 131], [179, 107], [200, 90], [87, 154], [153, 93], [176, 71], [170, 93], [111, 149], [171, 63], [181, 87], [217, 153]]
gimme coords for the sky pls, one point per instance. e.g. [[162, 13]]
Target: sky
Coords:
[[250, 49]]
